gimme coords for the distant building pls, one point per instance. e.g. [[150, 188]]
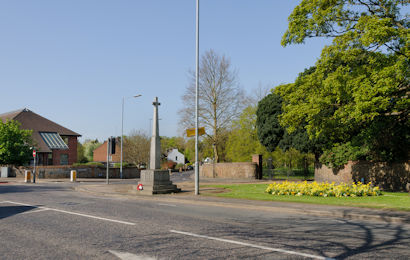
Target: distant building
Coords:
[[55, 144], [175, 156], [100, 153]]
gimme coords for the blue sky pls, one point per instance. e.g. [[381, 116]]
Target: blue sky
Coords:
[[72, 61]]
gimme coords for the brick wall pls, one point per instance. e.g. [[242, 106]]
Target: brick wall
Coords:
[[388, 176], [63, 171], [71, 152], [257, 158], [236, 170], [100, 153]]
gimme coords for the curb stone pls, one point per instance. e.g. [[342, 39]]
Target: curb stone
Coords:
[[245, 204]]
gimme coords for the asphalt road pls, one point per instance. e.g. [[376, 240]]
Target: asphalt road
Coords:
[[52, 221]]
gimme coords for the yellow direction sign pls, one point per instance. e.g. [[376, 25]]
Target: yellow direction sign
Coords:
[[191, 131]]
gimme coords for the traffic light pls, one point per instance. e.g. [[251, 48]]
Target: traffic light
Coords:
[[112, 145]]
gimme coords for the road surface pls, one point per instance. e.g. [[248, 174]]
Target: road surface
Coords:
[[52, 221]]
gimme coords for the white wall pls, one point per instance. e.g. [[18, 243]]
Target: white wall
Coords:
[[176, 156]]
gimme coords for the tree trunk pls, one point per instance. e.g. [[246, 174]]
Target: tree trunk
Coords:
[[305, 166], [216, 137], [216, 157]]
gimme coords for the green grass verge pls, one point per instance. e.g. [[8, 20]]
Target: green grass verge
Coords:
[[290, 178], [389, 200]]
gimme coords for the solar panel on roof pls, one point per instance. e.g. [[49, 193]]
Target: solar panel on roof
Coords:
[[54, 141]]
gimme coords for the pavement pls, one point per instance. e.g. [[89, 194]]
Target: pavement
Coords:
[[126, 189]]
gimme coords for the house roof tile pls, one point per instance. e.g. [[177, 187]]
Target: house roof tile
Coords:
[[32, 121]]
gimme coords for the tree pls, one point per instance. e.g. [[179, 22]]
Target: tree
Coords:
[[174, 142], [81, 158], [136, 148], [243, 140], [15, 143], [270, 132], [89, 147], [357, 94], [220, 99], [273, 135], [190, 149]]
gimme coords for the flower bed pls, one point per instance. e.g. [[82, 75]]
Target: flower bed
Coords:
[[323, 189]]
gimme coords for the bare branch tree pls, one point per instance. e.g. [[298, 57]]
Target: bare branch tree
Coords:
[[258, 94], [220, 98]]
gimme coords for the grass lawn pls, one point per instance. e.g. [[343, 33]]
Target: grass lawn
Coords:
[[389, 200]]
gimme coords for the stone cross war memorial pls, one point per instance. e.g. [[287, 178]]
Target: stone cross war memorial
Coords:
[[154, 180]]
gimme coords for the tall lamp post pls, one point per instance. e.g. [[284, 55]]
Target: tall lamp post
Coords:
[[122, 128], [196, 100]]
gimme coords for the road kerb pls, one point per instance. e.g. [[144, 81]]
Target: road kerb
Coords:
[[282, 209]]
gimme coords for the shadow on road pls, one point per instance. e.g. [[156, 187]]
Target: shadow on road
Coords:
[[343, 239], [28, 188], [8, 211]]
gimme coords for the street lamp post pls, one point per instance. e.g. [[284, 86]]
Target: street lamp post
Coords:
[[122, 129], [196, 100]]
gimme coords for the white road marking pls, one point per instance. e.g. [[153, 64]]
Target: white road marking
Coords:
[[129, 256], [23, 204], [252, 245], [169, 205], [74, 213], [35, 211], [95, 217]]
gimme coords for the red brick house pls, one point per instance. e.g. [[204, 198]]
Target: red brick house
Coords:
[[55, 144], [100, 153]]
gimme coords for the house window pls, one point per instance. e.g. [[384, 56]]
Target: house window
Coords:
[[64, 159], [176, 158], [50, 159]]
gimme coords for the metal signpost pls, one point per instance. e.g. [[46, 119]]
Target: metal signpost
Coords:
[[108, 160]]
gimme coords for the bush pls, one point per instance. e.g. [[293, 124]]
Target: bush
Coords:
[[168, 165], [179, 165], [98, 164], [323, 189], [124, 165]]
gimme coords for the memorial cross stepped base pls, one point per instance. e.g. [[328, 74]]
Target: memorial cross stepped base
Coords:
[[156, 182]]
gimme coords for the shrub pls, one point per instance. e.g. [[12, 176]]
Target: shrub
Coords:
[[323, 189], [98, 164], [168, 165], [124, 165], [179, 165]]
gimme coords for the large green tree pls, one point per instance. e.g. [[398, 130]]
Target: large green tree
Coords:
[[357, 93], [269, 130], [272, 134], [15, 143]]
